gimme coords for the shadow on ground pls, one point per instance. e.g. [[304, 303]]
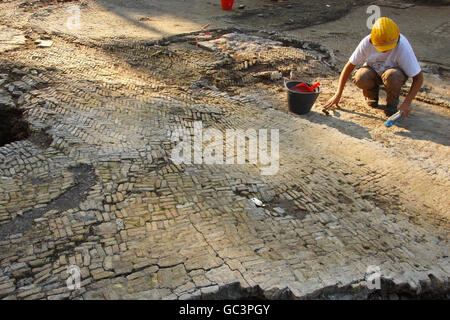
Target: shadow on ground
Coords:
[[346, 127], [426, 125]]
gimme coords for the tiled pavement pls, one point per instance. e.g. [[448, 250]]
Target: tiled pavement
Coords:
[[149, 229]]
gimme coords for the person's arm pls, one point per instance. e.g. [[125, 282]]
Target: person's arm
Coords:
[[345, 74], [415, 87]]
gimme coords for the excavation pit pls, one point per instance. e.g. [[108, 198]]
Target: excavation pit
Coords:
[[12, 125]]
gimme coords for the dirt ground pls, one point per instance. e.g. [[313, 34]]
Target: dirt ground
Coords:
[[105, 92], [422, 139]]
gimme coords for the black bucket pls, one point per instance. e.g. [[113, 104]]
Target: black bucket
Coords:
[[300, 102]]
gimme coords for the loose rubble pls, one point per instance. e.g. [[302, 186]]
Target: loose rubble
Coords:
[[10, 38]]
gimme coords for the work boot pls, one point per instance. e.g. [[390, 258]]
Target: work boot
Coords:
[[390, 109], [393, 80], [368, 80], [371, 97]]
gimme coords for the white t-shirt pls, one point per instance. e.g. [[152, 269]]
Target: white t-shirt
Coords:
[[402, 56]]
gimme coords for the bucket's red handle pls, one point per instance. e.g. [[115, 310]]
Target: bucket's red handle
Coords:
[[314, 86], [308, 87]]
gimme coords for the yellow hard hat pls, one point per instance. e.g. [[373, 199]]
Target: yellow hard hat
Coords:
[[385, 34]]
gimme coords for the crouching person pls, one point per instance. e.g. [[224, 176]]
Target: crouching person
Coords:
[[389, 60]]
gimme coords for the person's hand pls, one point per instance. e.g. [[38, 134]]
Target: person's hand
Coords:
[[334, 101], [405, 107]]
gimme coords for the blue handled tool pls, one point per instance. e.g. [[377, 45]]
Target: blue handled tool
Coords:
[[393, 119]]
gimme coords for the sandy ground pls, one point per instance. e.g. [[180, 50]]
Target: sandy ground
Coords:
[[154, 19], [403, 170], [421, 141]]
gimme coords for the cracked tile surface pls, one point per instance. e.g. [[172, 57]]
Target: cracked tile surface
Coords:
[[145, 228]]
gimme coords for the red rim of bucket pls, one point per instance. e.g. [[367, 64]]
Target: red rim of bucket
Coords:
[[316, 90], [227, 4]]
